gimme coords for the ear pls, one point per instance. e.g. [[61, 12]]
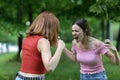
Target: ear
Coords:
[[86, 30]]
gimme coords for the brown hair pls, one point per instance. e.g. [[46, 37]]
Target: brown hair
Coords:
[[46, 25], [84, 25]]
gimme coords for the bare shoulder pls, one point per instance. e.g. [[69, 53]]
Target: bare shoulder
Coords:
[[43, 41], [96, 42], [43, 44]]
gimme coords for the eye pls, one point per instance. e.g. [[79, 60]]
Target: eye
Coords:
[[76, 31]]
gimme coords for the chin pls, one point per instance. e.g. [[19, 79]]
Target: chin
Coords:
[[77, 40]]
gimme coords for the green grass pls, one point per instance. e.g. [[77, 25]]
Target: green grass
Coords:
[[66, 69], [113, 71], [8, 67]]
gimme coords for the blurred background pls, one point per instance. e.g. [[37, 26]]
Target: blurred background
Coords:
[[16, 16]]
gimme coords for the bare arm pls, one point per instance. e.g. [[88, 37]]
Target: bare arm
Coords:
[[112, 54], [70, 55], [113, 57], [21, 54], [50, 62]]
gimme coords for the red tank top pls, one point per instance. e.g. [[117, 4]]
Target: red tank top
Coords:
[[31, 57]]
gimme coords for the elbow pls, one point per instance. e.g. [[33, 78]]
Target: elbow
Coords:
[[50, 69], [116, 62], [74, 60], [119, 61]]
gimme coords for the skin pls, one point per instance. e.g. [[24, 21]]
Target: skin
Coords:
[[113, 53], [84, 42], [50, 62]]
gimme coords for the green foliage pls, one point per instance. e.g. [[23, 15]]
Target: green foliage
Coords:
[[9, 32], [96, 9], [115, 29], [95, 27], [102, 5], [20, 11], [107, 9], [65, 29]]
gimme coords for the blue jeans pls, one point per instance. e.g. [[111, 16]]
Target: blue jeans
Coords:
[[20, 77], [97, 76]]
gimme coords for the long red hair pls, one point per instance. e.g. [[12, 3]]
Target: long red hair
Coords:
[[46, 25]]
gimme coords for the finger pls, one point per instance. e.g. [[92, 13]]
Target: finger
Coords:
[[107, 45], [107, 41]]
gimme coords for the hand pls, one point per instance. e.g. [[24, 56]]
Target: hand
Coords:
[[109, 45], [61, 44]]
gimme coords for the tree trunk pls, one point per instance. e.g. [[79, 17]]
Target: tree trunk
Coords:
[[118, 40], [30, 13], [108, 29], [20, 37], [19, 12], [7, 47], [102, 29]]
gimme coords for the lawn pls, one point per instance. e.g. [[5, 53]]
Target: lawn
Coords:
[[66, 70], [8, 67]]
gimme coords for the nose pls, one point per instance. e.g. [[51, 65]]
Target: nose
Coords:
[[73, 33]]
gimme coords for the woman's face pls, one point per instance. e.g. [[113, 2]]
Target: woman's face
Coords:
[[77, 32]]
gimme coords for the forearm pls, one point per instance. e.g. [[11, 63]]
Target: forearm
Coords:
[[69, 54], [117, 57], [55, 59]]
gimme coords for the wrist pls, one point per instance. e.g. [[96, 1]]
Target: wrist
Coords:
[[60, 48], [114, 50]]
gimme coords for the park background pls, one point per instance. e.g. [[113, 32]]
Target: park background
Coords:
[[17, 15]]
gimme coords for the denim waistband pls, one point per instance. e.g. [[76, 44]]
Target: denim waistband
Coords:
[[30, 78]]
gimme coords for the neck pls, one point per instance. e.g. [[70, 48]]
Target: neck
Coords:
[[85, 40]]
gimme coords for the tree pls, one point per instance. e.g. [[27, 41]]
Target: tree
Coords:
[[118, 40], [102, 25], [19, 11], [20, 38], [110, 10]]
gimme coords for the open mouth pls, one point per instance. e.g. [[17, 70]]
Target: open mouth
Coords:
[[75, 37]]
